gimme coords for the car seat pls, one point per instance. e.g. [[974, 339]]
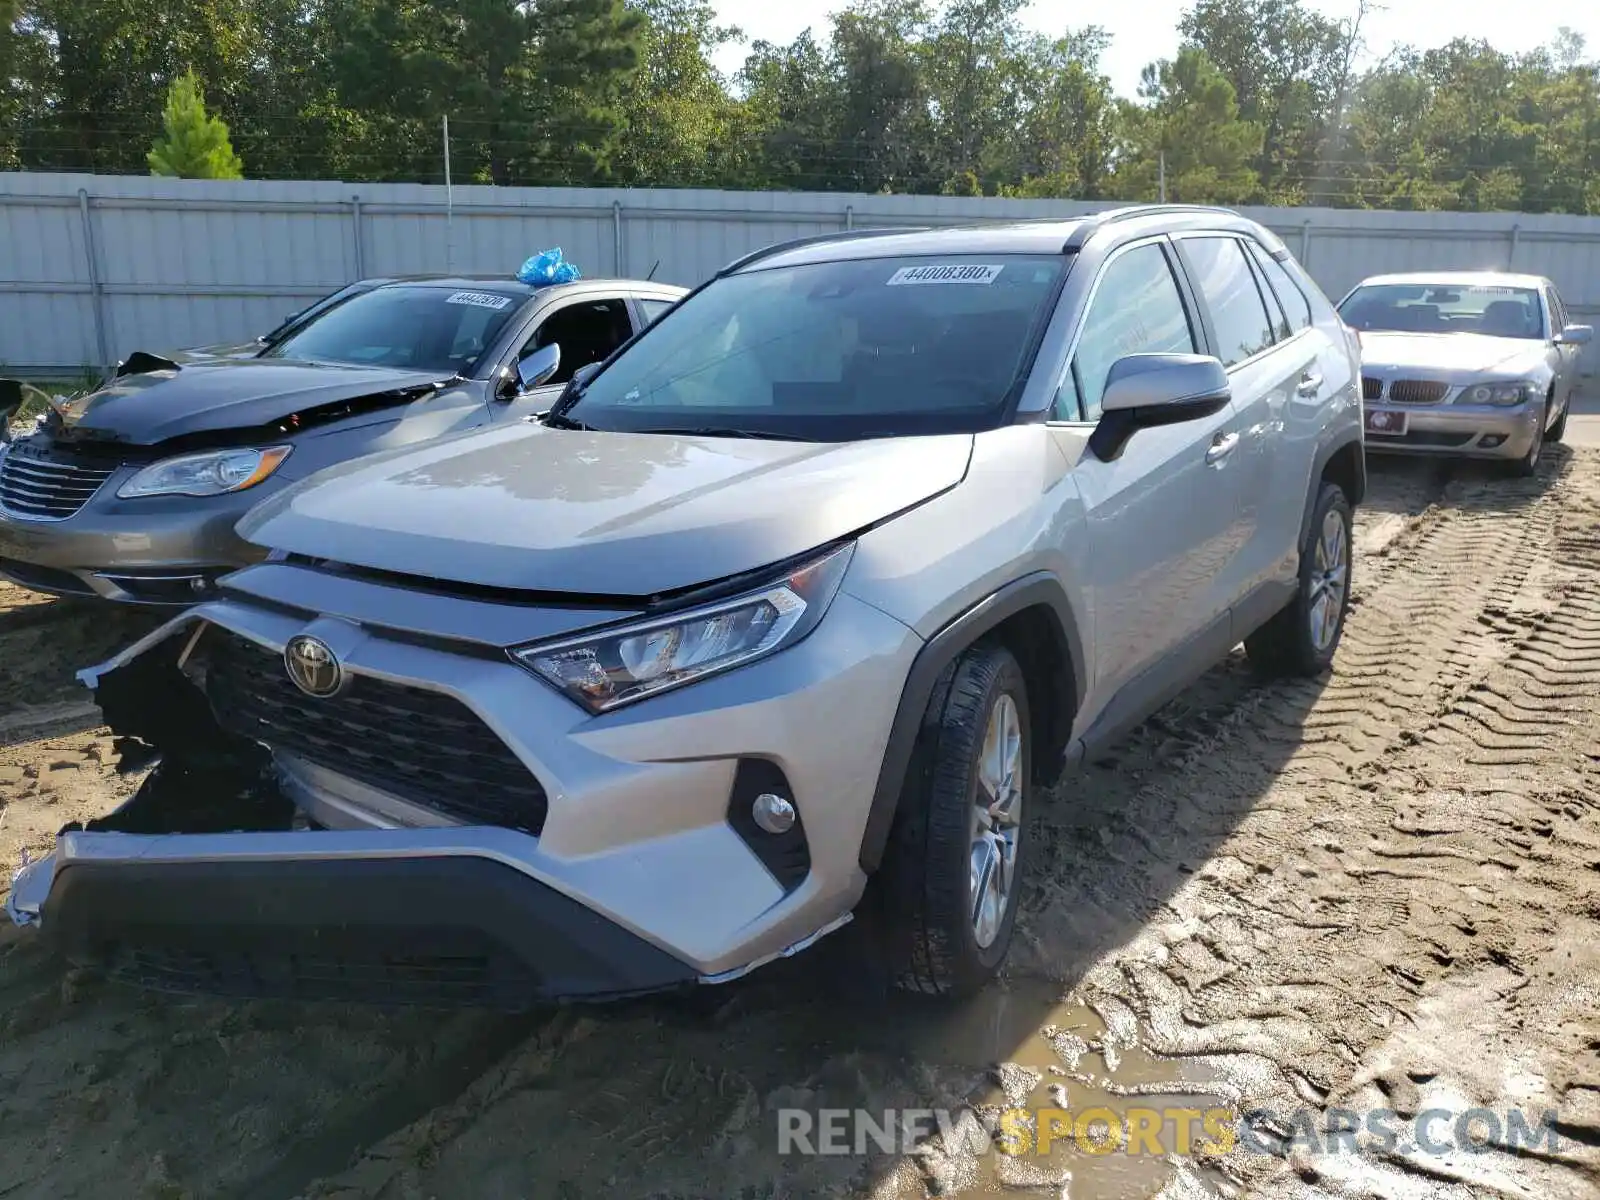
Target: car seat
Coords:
[[1507, 318]]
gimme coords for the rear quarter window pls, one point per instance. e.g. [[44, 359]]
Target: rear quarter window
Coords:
[[1295, 305]]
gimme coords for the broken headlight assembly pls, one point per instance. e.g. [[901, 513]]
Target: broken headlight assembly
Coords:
[[605, 670], [213, 473], [1502, 394]]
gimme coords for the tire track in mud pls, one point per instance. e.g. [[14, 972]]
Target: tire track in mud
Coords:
[[1415, 876], [1437, 617], [44, 642]]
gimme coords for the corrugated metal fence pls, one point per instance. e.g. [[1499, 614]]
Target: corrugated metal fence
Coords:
[[94, 267]]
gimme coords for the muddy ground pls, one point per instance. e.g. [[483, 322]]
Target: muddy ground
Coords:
[[1380, 891]]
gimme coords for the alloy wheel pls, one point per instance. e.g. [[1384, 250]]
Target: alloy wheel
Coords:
[[1330, 577], [996, 823]]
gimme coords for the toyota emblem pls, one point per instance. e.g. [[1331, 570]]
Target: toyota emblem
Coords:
[[312, 666]]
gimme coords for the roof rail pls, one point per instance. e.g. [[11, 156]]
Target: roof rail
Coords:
[[1094, 222], [816, 239]]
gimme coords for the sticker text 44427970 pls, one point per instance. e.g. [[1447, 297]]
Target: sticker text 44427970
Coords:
[[478, 299]]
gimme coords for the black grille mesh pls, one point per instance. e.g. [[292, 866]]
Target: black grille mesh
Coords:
[[1417, 391], [420, 745]]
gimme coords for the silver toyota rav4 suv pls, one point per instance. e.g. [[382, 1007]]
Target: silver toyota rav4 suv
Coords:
[[791, 609]]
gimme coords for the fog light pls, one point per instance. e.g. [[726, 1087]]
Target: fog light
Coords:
[[773, 813], [1492, 440]]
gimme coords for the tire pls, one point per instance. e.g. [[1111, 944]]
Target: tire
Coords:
[[1558, 431], [1528, 464], [935, 943], [1298, 641]]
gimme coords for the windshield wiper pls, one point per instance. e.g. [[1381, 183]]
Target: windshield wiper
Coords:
[[559, 420], [725, 431]]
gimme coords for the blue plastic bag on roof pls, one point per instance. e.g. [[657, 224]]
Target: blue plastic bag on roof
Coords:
[[547, 267]]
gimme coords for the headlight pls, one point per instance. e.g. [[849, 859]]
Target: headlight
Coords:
[[629, 662], [213, 473], [1499, 393]]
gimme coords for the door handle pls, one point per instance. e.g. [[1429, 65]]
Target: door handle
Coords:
[[1221, 446], [1309, 384]]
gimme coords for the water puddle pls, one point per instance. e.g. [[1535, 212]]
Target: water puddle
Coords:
[[1073, 1104]]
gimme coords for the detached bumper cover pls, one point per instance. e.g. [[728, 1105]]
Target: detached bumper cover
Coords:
[[441, 931]]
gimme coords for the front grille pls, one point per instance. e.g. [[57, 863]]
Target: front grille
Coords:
[[1371, 389], [37, 484], [1417, 391], [419, 745]]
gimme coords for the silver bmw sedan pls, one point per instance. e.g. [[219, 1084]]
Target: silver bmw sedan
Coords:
[[1465, 363]]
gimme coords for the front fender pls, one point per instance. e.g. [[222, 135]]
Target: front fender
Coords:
[[1039, 590]]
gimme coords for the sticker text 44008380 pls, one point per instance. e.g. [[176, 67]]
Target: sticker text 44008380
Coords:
[[946, 273]]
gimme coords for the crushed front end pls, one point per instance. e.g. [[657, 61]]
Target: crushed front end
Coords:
[[441, 826]]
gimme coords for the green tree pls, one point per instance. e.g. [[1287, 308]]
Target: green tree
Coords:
[[194, 144], [683, 129], [883, 133], [790, 111], [973, 62], [533, 90], [1190, 125], [1283, 61], [1066, 135]]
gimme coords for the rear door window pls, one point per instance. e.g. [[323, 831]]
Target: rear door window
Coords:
[[1228, 286]]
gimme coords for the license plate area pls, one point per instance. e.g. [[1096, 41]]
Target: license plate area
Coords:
[[1384, 423]]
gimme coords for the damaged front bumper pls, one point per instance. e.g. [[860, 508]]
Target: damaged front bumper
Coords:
[[407, 916], [251, 873]]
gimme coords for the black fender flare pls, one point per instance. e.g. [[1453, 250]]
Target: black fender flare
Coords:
[[1325, 455], [1041, 589]]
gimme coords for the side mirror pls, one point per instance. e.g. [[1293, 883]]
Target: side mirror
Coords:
[[1146, 390], [539, 366], [1576, 335]]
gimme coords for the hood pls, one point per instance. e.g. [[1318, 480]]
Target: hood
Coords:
[[1452, 357], [222, 394], [600, 514]]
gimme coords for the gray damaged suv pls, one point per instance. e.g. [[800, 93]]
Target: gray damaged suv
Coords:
[[132, 492], [788, 612]]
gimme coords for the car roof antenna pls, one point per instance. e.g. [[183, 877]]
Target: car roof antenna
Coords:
[[652, 274]]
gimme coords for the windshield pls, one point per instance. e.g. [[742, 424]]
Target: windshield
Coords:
[[830, 351], [1438, 308], [416, 328]]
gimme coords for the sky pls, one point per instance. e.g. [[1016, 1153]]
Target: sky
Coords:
[[1145, 30]]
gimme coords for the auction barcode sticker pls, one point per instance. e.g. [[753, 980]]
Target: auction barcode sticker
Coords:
[[946, 273], [479, 299]]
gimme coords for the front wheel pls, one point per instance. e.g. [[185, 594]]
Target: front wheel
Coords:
[[1302, 639], [957, 855], [1559, 430], [1528, 464]]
